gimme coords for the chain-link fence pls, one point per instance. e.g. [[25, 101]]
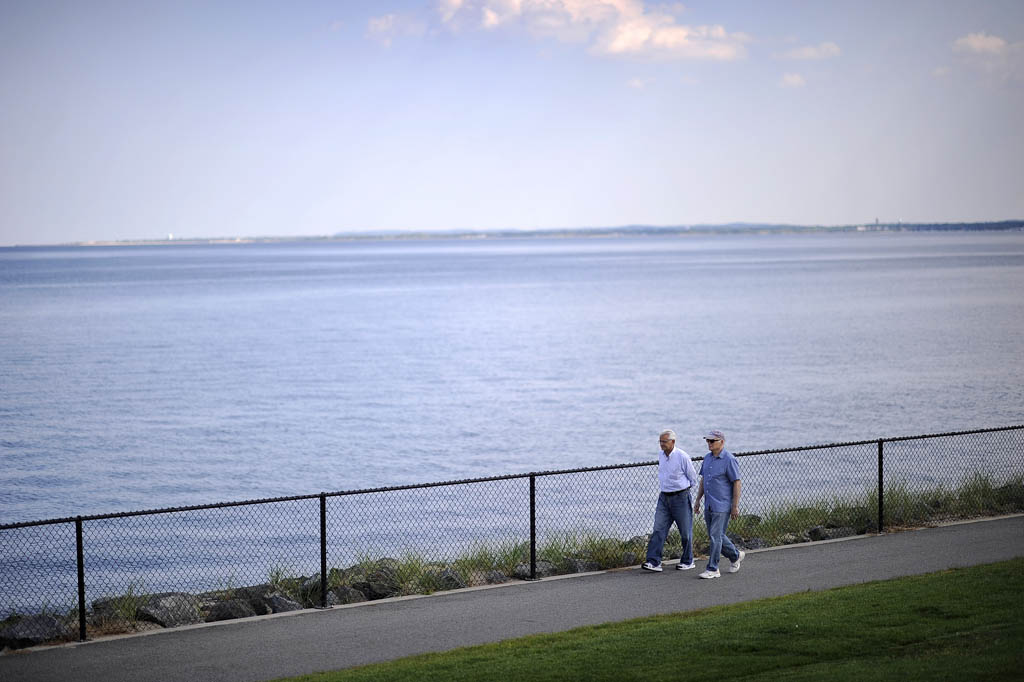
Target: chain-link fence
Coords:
[[77, 578]]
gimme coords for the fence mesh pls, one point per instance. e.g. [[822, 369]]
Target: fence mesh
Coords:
[[171, 567], [953, 477]]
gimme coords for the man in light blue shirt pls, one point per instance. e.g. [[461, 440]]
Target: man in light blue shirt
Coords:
[[676, 479], [720, 481]]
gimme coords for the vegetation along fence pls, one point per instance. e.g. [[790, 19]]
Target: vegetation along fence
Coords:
[[73, 578]]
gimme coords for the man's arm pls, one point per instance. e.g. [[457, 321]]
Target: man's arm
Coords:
[[735, 499], [700, 494]]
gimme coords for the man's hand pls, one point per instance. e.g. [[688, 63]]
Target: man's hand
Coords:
[[696, 507], [735, 513]]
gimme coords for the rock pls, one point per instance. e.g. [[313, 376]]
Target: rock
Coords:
[[637, 542], [629, 559], [793, 538], [278, 603], [170, 609], [309, 590], [822, 533], [229, 609], [375, 590], [749, 520], [581, 565], [446, 579], [344, 595], [817, 533], [120, 609], [495, 578], [754, 543], [545, 569], [834, 533], [256, 596], [376, 580], [33, 630]]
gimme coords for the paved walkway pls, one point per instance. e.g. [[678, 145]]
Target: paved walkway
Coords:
[[268, 647]]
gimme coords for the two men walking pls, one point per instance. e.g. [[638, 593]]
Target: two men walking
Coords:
[[719, 483]]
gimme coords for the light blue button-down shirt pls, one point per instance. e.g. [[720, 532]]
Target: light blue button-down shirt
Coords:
[[675, 471], [719, 474]]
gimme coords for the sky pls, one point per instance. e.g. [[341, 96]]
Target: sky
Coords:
[[136, 119]]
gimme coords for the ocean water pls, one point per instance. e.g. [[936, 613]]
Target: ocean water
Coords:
[[142, 377]]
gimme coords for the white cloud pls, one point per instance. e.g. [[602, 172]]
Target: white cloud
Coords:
[[821, 51], [389, 26], [448, 9], [980, 43], [992, 55], [611, 27], [640, 83], [792, 80]]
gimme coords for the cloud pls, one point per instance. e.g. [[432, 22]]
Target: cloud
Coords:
[[821, 51], [387, 27], [992, 55], [980, 43], [609, 27], [792, 80]]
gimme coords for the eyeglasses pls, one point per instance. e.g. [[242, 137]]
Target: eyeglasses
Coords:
[[712, 440]]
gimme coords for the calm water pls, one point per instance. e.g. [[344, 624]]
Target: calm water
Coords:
[[141, 377]]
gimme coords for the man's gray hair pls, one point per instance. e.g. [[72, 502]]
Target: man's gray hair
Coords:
[[668, 432]]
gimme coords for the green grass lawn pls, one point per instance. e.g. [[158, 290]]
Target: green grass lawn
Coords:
[[965, 624]]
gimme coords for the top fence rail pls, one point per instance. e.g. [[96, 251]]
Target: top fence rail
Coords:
[[487, 479]]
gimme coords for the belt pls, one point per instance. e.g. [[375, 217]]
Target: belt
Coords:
[[675, 492]]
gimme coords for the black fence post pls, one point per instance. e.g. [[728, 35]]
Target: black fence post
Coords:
[[323, 550], [533, 527], [81, 578], [881, 506]]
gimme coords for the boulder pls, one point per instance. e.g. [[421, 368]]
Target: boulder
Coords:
[[378, 580], [444, 579], [823, 533], [256, 596], [344, 595], [278, 603], [33, 630], [545, 569], [376, 590], [229, 609], [793, 538], [748, 521], [170, 609], [753, 543], [495, 578], [123, 609], [817, 533], [581, 565]]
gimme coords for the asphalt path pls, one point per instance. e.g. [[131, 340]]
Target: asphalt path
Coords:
[[268, 647]]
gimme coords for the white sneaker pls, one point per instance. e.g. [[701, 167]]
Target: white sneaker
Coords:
[[708, 575], [648, 566], [686, 567], [736, 564]]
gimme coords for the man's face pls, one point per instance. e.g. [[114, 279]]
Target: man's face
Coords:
[[715, 445], [666, 444]]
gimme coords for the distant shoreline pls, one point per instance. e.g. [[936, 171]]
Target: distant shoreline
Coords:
[[580, 232]]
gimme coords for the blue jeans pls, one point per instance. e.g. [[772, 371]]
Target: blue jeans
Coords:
[[720, 543], [676, 508]]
